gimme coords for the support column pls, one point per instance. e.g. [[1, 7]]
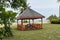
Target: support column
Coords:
[[21, 22], [41, 22], [29, 21], [22, 26], [33, 21]]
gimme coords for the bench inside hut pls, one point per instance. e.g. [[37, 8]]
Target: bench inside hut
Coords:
[[29, 14]]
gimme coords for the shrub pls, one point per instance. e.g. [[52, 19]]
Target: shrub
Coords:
[[5, 33], [55, 21], [52, 17], [1, 33]]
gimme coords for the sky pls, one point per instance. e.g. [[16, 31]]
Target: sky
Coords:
[[45, 7]]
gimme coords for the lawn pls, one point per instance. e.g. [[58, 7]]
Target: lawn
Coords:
[[49, 32]]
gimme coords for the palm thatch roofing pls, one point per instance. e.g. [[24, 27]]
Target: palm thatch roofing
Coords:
[[29, 14]]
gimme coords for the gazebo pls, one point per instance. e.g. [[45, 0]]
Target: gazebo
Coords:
[[29, 14]]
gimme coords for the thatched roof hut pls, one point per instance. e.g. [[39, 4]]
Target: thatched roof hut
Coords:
[[29, 14]]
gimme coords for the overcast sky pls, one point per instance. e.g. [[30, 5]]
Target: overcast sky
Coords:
[[45, 7]]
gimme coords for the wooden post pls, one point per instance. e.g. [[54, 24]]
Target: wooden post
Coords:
[[33, 21], [29, 21], [41, 22], [21, 22], [22, 27]]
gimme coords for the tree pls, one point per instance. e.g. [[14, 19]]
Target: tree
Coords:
[[15, 4], [52, 17], [7, 17], [21, 4]]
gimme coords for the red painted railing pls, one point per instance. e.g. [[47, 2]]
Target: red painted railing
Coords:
[[34, 26]]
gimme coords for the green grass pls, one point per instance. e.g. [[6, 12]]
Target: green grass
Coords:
[[49, 32]]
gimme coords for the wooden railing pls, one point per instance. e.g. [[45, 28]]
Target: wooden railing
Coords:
[[29, 27]]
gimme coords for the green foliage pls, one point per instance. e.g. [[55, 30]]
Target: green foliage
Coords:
[[54, 19], [5, 32], [6, 18], [15, 4], [1, 33], [19, 3]]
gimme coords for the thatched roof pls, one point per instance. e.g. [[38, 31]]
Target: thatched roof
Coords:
[[29, 14]]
